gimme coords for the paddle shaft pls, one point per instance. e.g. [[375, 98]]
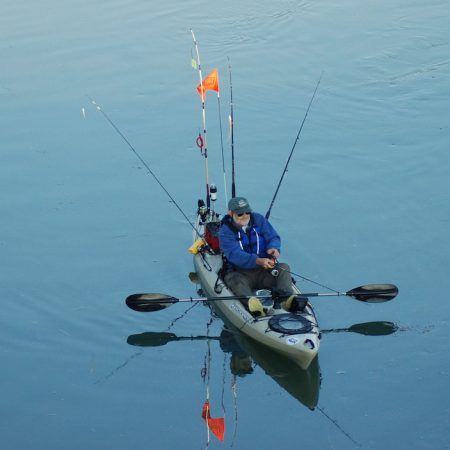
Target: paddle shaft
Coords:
[[353, 293], [243, 297]]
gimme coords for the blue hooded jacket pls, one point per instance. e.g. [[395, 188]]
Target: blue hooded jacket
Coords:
[[242, 248]]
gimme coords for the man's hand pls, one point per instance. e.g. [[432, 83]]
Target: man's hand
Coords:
[[273, 252], [265, 263]]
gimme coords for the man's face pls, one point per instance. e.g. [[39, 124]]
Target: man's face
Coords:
[[241, 219]]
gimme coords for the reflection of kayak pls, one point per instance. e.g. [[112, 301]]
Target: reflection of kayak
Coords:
[[295, 335], [303, 385]]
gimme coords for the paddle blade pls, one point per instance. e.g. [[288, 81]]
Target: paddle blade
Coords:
[[374, 328], [149, 302], [151, 339], [374, 293]]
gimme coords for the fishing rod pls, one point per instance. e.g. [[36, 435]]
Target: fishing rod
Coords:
[[221, 144], [293, 147], [231, 121], [150, 171], [203, 140]]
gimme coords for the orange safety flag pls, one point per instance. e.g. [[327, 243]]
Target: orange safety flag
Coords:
[[217, 426], [210, 83]]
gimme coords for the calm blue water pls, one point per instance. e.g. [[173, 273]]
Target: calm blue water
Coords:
[[365, 200]]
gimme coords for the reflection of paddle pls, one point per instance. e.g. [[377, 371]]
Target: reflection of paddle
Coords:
[[369, 293], [368, 329], [156, 339]]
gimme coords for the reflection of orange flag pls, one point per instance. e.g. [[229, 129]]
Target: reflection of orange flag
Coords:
[[210, 83], [217, 426]]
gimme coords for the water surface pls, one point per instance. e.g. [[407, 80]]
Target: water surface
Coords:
[[365, 200]]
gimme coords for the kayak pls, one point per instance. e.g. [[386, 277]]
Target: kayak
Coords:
[[295, 335]]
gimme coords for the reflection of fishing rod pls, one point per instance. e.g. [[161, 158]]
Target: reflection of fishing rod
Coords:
[[140, 352], [113, 372], [334, 422]]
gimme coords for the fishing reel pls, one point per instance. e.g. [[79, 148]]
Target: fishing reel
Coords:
[[202, 210], [274, 272]]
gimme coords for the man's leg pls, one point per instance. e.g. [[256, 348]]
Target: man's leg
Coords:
[[282, 283], [239, 283], [284, 280]]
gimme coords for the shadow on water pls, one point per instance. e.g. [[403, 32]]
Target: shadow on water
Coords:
[[303, 385]]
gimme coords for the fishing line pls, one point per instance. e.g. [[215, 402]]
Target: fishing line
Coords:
[[279, 267], [293, 147], [150, 171]]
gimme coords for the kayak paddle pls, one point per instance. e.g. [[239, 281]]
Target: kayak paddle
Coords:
[[369, 293]]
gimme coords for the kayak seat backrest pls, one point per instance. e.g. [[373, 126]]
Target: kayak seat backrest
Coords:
[[212, 235]]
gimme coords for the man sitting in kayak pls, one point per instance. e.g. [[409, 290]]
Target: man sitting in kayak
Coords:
[[251, 247]]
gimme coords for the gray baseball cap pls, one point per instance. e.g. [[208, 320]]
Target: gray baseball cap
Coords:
[[239, 205]]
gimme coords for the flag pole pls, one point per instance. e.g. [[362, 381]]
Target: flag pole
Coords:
[[204, 147]]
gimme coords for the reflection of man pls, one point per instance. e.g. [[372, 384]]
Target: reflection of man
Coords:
[[251, 246], [240, 363]]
